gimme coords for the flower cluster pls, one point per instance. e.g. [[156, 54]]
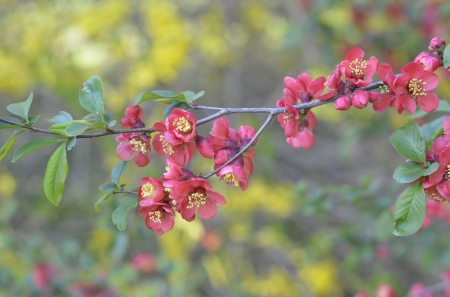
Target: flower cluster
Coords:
[[348, 81], [176, 138], [179, 190]]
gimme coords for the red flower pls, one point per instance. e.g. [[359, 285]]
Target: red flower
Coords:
[[158, 215], [414, 86], [144, 263], [151, 188], [179, 127], [306, 89], [437, 185], [437, 45], [428, 61], [204, 147], [133, 117], [196, 194], [387, 96], [356, 69], [234, 175], [134, 145]]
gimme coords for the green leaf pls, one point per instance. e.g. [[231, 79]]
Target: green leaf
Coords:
[[9, 126], [111, 124], [188, 96], [92, 118], [71, 143], [102, 197], [55, 175], [34, 145], [6, 148], [410, 209], [433, 129], [410, 142], [431, 169], [408, 172], [72, 128], [21, 109], [118, 171], [176, 104], [165, 97], [61, 118], [77, 127], [91, 96], [447, 56], [107, 187], [33, 120], [198, 95], [119, 216]]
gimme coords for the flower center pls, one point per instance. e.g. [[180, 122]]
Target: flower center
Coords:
[[167, 148], [183, 125], [148, 190], [357, 68], [231, 178], [415, 87], [447, 172], [155, 216], [385, 89], [138, 146], [196, 200], [287, 117]]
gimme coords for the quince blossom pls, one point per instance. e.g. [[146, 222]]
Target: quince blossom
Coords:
[[134, 145]]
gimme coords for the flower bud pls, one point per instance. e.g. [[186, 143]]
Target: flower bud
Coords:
[[437, 45], [343, 103], [204, 147], [360, 99], [428, 61]]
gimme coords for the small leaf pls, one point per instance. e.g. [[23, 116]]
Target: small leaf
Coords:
[[55, 175], [410, 142], [92, 118], [33, 120], [111, 124], [9, 126], [91, 96], [176, 104], [189, 96], [76, 128], [72, 128], [447, 56], [119, 216], [198, 95], [61, 118], [165, 97], [102, 197], [21, 109], [118, 171], [71, 143], [107, 116], [408, 172], [431, 169], [34, 145], [6, 148], [107, 187], [410, 210]]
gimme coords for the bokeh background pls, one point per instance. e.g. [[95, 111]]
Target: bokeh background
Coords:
[[311, 223]]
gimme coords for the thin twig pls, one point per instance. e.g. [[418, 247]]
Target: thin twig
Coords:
[[266, 123], [124, 191]]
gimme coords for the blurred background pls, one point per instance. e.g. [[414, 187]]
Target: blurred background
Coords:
[[311, 223]]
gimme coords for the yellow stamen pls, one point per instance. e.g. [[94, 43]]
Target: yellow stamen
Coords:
[[196, 200], [155, 216], [167, 148], [357, 67], [231, 178], [138, 146], [415, 87], [148, 190], [183, 125]]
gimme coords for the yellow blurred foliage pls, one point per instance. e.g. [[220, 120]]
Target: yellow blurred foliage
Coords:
[[8, 184], [322, 277]]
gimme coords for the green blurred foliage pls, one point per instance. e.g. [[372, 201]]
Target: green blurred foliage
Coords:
[[281, 237]]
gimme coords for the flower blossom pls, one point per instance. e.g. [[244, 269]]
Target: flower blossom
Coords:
[[134, 145], [133, 117], [159, 216]]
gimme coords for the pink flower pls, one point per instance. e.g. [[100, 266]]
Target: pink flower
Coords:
[[387, 96], [437, 45], [234, 175], [385, 290], [418, 290], [133, 117], [134, 145], [144, 263], [428, 61], [436, 185], [196, 194], [356, 69], [159, 216], [204, 147], [179, 127], [306, 89], [181, 153], [414, 86], [151, 188]]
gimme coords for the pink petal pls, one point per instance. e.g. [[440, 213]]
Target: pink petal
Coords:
[[292, 84], [431, 79], [413, 70], [220, 128], [384, 101], [371, 67], [142, 160], [167, 222], [207, 210], [311, 119], [446, 125], [317, 86], [384, 70], [304, 81], [428, 102], [408, 103], [124, 151], [342, 103], [217, 197], [356, 53]]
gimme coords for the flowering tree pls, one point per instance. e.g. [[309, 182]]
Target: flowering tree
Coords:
[[176, 139]]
